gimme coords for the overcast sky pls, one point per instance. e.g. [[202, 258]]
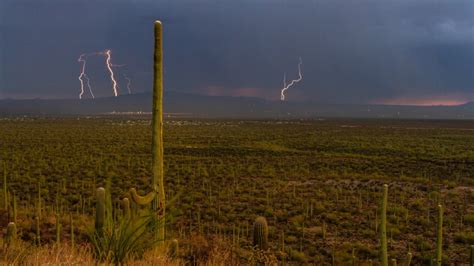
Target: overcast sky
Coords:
[[385, 51]]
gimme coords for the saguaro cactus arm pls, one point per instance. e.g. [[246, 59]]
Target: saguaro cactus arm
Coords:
[[142, 200]]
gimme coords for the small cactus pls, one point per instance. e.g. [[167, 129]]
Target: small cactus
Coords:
[[15, 211], [354, 259], [282, 242], [58, 230], [11, 234], [472, 256], [71, 221], [409, 257], [394, 262], [126, 208], [38, 231], [439, 241], [260, 233], [324, 231], [142, 200], [174, 249], [383, 228], [100, 209]]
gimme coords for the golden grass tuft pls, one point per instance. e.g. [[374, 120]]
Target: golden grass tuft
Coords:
[[196, 250]]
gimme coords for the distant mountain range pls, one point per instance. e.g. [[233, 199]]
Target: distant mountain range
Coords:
[[194, 105]]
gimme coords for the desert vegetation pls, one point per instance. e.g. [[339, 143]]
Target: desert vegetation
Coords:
[[318, 184]]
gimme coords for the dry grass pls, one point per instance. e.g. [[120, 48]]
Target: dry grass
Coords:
[[196, 250], [24, 254]]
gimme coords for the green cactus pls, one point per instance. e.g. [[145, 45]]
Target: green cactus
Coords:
[[39, 201], [109, 220], [376, 222], [100, 209], [394, 262], [157, 196], [71, 221], [38, 231], [323, 229], [472, 256], [5, 193], [260, 233], [157, 130], [133, 210], [282, 242], [409, 257], [142, 200], [126, 208], [354, 259], [173, 251], [439, 240], [383, 228], [333, 256], [11, 234], [9, 207], [14, 209], [58, 230]]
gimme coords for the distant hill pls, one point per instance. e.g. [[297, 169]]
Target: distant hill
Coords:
[[194, 105]]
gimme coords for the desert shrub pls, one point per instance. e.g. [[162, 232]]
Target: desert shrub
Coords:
[[296, 255], [469, 218], [465, 237], [130, 239]]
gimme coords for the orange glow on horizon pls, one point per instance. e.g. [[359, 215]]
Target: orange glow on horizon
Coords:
[[429, 101]]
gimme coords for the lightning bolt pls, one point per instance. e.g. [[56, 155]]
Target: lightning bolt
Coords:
[[293, 82], [89, 86], [83, 75], [129, 82], [109, 67]]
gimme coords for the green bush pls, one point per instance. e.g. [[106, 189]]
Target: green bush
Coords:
[[296, 255], [469, 218], [465, 237]]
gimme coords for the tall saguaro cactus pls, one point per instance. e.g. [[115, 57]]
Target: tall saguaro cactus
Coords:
[[5, 191], [383, 228], [157, 131], [439, 240]]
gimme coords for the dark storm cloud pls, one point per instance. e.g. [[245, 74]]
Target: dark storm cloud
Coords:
[[353, 51]]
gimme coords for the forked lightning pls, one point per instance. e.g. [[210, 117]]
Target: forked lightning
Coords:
[[108, 63], [293, 82]]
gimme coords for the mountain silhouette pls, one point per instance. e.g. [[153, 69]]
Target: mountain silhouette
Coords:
[[195, 105]]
